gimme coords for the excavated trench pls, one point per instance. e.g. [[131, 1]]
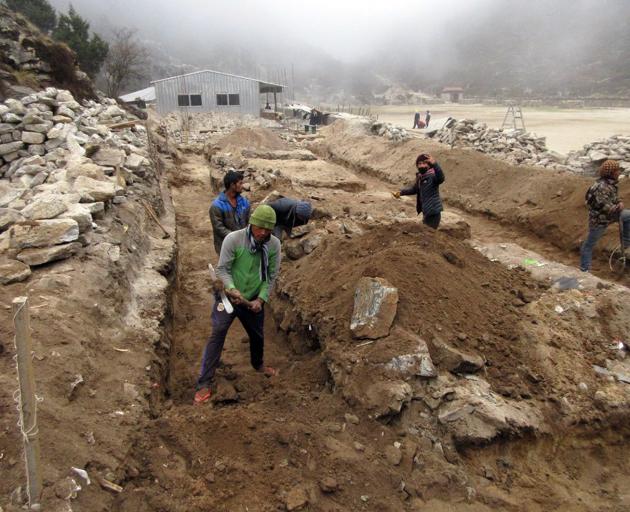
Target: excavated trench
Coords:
[[325, 435]]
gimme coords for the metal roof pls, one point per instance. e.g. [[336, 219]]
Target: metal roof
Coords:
[[265, 82], [147, 94]]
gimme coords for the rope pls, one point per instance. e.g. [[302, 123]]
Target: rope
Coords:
[[31, 432]]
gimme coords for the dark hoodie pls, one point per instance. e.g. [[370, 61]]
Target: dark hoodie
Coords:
[[427, 190]]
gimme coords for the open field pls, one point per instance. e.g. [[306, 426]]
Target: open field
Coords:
[[565, 129]]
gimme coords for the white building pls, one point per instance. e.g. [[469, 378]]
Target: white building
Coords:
[[213, 91]]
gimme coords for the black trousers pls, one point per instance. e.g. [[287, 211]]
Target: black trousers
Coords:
[[254, 325], [433, 221]]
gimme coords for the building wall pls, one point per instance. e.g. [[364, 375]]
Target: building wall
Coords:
[[208, 85]]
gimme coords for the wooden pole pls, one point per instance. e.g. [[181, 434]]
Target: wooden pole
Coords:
[[28, 402]]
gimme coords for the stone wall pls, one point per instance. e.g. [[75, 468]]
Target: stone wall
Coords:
[[62, 165]]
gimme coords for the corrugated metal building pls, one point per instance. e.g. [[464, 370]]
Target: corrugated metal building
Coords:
[[213, 91]]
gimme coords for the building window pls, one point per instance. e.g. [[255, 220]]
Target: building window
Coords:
[[189, 100], [234, 99], [222, 99]]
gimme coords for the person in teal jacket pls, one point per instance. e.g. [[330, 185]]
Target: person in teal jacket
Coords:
[[248, 265]]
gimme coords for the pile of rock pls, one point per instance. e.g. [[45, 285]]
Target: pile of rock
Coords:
[[60, 166], [198, 127], [515, 146], [587, 160], [389, 131]]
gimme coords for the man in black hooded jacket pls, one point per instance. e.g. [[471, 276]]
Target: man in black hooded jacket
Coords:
[[426, 188], [290, 213]]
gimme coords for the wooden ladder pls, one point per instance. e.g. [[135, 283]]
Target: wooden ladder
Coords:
[[513, 113]]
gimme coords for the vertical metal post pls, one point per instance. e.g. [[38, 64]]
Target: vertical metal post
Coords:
[[28, 402]]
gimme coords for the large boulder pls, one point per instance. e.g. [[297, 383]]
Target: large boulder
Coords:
[[80, 212], [387, 398], [86, 168], [8, 217], [43, 233], [10, 147], [454, 360], [109, 157], [475, 415], [33, 138], [13, 271], [48, 206], [375, 305], [415, 364], [43, 255], [97, 190]]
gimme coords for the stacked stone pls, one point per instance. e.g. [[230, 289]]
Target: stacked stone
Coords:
[[389, 131], [515, 146], [60, 167], [588, 160]]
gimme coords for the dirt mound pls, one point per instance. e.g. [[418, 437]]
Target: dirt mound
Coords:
[[544, 203], [446, 290], [251, 138]]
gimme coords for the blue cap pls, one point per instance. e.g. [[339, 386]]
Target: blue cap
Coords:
[[303, 209]]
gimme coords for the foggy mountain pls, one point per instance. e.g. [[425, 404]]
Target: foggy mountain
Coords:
[[354, 49]]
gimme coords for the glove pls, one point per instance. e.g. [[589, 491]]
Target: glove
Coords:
[[396, 194], [217, 286]]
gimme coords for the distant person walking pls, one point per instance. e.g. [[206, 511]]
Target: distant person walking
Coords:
[[230, 210], [426, 188], [427, 118], [416, 120], [604, 208]]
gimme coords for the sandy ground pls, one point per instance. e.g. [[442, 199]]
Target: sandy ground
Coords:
[[566, 129]]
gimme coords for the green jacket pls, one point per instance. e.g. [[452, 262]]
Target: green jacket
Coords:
[[239, 268]]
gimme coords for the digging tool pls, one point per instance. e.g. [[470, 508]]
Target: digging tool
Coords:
[[154, 216], [227, 305], [244, 302]]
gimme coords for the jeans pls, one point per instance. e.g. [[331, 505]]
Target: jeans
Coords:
[[253, 323], [433, 221], [596, 232]]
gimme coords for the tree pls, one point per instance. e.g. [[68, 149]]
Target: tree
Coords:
[[39, 12], [126, 61], [73, 30]]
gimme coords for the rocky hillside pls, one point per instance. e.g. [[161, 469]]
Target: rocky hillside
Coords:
[[30, 61]]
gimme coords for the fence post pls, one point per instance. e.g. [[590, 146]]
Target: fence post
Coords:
[[28, 401]]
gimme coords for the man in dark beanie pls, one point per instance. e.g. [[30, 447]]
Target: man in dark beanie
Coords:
[[426, 188], [290, 213], [604, 208], [230, 210], [248, 266]]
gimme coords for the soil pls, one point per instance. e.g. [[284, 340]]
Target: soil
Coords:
[[280, 438], [537, 204], [323, 435]]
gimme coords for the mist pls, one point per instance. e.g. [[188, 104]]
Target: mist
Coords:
[[360, 47]]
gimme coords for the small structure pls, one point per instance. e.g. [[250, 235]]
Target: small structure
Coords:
[[214, 91], [139, 98], [453, 94]]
